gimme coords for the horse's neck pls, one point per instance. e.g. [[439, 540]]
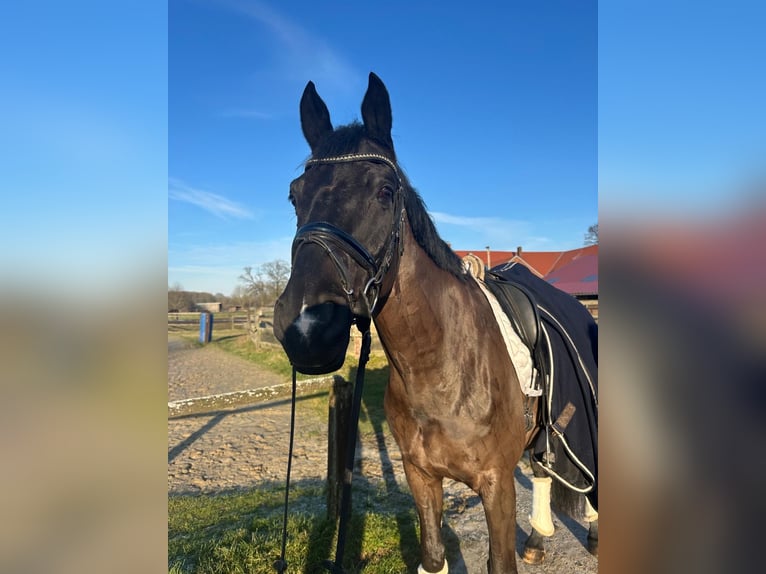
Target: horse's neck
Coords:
[[424, 308], [444, 348]]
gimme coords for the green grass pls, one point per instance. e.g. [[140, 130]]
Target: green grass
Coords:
[[274, 359], [242, 533], [372, 419], [267, 356]]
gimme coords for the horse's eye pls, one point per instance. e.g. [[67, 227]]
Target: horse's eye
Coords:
[[386, 193], [296, 186]]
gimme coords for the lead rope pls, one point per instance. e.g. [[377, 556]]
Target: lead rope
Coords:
[[281, 564]]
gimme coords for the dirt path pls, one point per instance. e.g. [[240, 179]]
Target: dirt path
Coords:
[[246, 446], [195, 371]]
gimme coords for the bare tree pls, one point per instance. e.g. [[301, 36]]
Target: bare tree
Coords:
[[264, 284], [240, 296], [260, 288], [254, 286], [276, 274], [591, 238]]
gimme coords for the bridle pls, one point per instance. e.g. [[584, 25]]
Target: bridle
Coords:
[[331, 238]]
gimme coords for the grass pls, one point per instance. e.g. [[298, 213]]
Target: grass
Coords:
[[241, 532], [272, 358]]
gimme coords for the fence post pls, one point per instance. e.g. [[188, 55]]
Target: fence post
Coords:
[[340, 408], [205, 327]]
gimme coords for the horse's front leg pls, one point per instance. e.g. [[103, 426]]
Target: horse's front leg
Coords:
[[429, 499], [498, 495]]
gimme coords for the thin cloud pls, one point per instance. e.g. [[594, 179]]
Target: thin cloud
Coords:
[[210, 202], [216, 268], [467, 232], [302, 53], [486, 226], [238, 253], [463, 221], [249, 114]]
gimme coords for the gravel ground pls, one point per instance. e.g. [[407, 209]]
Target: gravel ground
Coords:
[[246, 446]]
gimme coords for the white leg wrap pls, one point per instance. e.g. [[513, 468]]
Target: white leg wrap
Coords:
[[590, 513], [422, 570], [541, 505]]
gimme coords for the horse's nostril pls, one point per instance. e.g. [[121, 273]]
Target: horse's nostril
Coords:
[[317, 338]]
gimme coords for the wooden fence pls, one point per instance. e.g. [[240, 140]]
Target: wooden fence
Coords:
[[259, 325], [256, 322]]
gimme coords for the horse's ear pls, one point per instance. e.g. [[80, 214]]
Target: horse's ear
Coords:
[[376, 111], [315, 118]]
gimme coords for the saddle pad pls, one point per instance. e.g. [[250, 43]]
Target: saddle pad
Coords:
[[517, 350]]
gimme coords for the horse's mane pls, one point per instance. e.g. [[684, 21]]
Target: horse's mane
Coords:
[[347, 139]]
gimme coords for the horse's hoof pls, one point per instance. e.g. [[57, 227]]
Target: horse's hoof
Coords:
[[533, 556], [593, 546]]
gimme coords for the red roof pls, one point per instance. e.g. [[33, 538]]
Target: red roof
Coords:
[[574, 271], [578, 277], [568, 256]]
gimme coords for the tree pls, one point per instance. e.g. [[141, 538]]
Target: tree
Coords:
[[254, 288], [264, 284], [178, 299], [591, 238], [240, 296], [276, 274]]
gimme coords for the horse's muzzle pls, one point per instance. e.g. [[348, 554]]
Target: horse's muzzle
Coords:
[[317, 339]]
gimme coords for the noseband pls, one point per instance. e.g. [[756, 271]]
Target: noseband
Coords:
[[332, 238]]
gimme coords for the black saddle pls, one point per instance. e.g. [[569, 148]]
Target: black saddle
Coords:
[[520, 305]]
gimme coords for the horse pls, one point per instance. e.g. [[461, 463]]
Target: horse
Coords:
[[366, 250]]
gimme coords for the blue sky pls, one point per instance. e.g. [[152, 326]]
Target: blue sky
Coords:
[[83, 146], [495, 120], [141, 138], [682, 120]]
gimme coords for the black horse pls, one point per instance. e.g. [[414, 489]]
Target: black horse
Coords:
[[367, 249]]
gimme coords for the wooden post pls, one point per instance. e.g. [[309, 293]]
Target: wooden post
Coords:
[[341, 395], [253, 329]]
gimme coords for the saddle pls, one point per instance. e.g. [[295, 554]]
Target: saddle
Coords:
[[520, 306]]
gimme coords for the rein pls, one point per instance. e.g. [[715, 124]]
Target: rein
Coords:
[[345, 501], [280, 565], [330, 237]]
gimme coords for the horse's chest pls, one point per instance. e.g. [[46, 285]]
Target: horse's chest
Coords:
[[450, 449]]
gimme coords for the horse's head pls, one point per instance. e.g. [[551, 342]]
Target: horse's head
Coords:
[[350, 208]]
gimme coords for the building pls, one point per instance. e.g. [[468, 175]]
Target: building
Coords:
[[213, 307]]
